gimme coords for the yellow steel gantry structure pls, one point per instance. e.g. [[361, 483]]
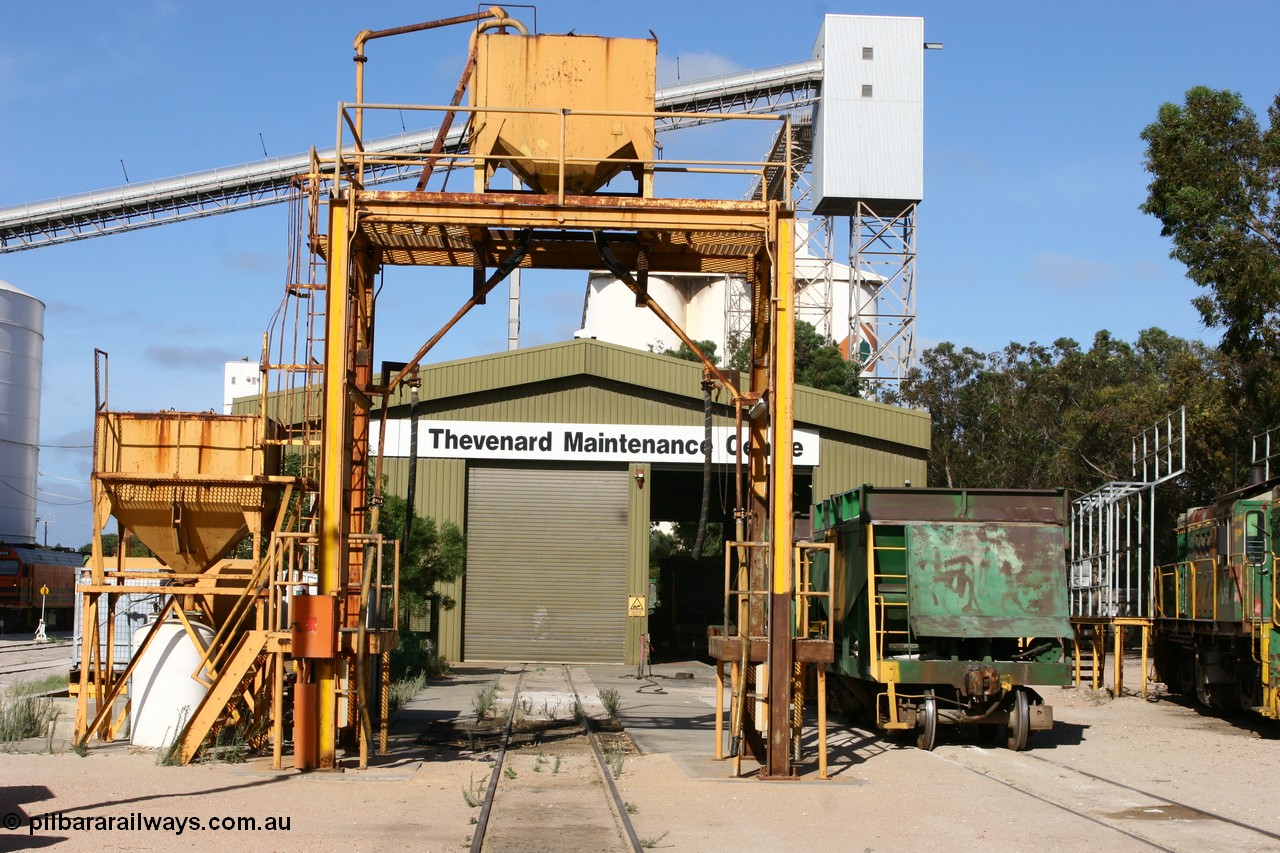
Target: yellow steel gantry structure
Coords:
[[571, 117], [565, 135]]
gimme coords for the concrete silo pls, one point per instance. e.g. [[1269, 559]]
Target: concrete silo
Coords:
[[21, 351]]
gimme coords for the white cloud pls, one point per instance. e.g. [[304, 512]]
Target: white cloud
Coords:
[[190, 356], [254, 262], [693, 66], [1069, 272]]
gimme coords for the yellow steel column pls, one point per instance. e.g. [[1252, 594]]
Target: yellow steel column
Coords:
[[1146, 634], [784, 376], [335, 456], [1119, 660], [780, 499], [719, 710]]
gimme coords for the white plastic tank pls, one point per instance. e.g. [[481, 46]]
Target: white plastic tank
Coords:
[[21, 353], [162, 691]]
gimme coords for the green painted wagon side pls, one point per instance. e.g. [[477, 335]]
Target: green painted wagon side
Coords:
[[947, 604]]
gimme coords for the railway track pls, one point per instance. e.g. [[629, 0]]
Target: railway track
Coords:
[[1150, 819], [16, 647], [26, 660], [552, 784]]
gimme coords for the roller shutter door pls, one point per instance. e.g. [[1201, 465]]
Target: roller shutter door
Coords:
[[546, 565]]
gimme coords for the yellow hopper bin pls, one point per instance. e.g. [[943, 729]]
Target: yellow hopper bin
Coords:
[[550, 74], [188, 485]]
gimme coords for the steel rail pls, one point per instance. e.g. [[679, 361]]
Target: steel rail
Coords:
[[618, 805], [25, 645], [482, 822], [1011, 786], [250, 185], [1206, 814], [1071, 806], [35, 666]]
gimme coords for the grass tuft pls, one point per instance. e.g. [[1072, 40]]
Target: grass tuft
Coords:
[[484, 700], [472, 795], [403, 691], [610, 699], [24, 716], [614, 758]]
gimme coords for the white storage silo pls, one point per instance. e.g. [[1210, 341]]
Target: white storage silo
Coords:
[[21, 352], [611, 314]]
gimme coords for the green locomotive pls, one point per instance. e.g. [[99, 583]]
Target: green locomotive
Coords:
[[946, 606], [1217, 618]]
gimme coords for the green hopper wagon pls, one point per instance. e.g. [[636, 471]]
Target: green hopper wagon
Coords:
[[947, 605]]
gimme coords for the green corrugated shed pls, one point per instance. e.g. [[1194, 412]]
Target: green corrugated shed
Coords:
[[589, 381]]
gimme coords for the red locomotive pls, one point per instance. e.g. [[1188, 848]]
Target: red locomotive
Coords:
[[24, 571]]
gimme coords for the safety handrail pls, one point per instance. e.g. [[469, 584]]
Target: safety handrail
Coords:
[[350, 165], [883, 633], [1275, 592], [743, 590], [1163, 573], [878, 604], [803, 588]]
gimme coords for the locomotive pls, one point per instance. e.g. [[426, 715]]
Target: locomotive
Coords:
[[1216, 622], [946, 606], [24, 571]]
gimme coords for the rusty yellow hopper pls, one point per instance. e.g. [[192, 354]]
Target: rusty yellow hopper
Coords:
[[536, 96], [188, 485]]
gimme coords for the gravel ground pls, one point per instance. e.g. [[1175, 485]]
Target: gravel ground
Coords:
[[1115, 774]]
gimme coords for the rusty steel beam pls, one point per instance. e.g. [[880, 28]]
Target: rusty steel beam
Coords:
[[520, 210]]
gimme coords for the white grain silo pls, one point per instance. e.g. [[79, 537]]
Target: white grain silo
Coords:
[[21, 351], [703, 305], [610, 312]]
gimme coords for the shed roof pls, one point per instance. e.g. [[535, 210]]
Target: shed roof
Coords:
[[660, 373]]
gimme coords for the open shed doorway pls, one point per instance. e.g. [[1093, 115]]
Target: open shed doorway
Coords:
[[687, 594]]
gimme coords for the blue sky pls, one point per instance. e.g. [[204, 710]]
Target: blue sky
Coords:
[[1029, 228]]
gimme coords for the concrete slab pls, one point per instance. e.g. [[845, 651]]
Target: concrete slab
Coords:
[[668, 708]]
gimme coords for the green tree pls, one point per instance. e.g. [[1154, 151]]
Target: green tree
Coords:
[[1036, 416], [661, 545], [708, 349], [434, 555], [1216, 192], [819, 364], [111, 546], [944, 384]]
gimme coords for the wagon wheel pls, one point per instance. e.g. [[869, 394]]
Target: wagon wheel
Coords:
[[927, 723], [1019, 725]]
